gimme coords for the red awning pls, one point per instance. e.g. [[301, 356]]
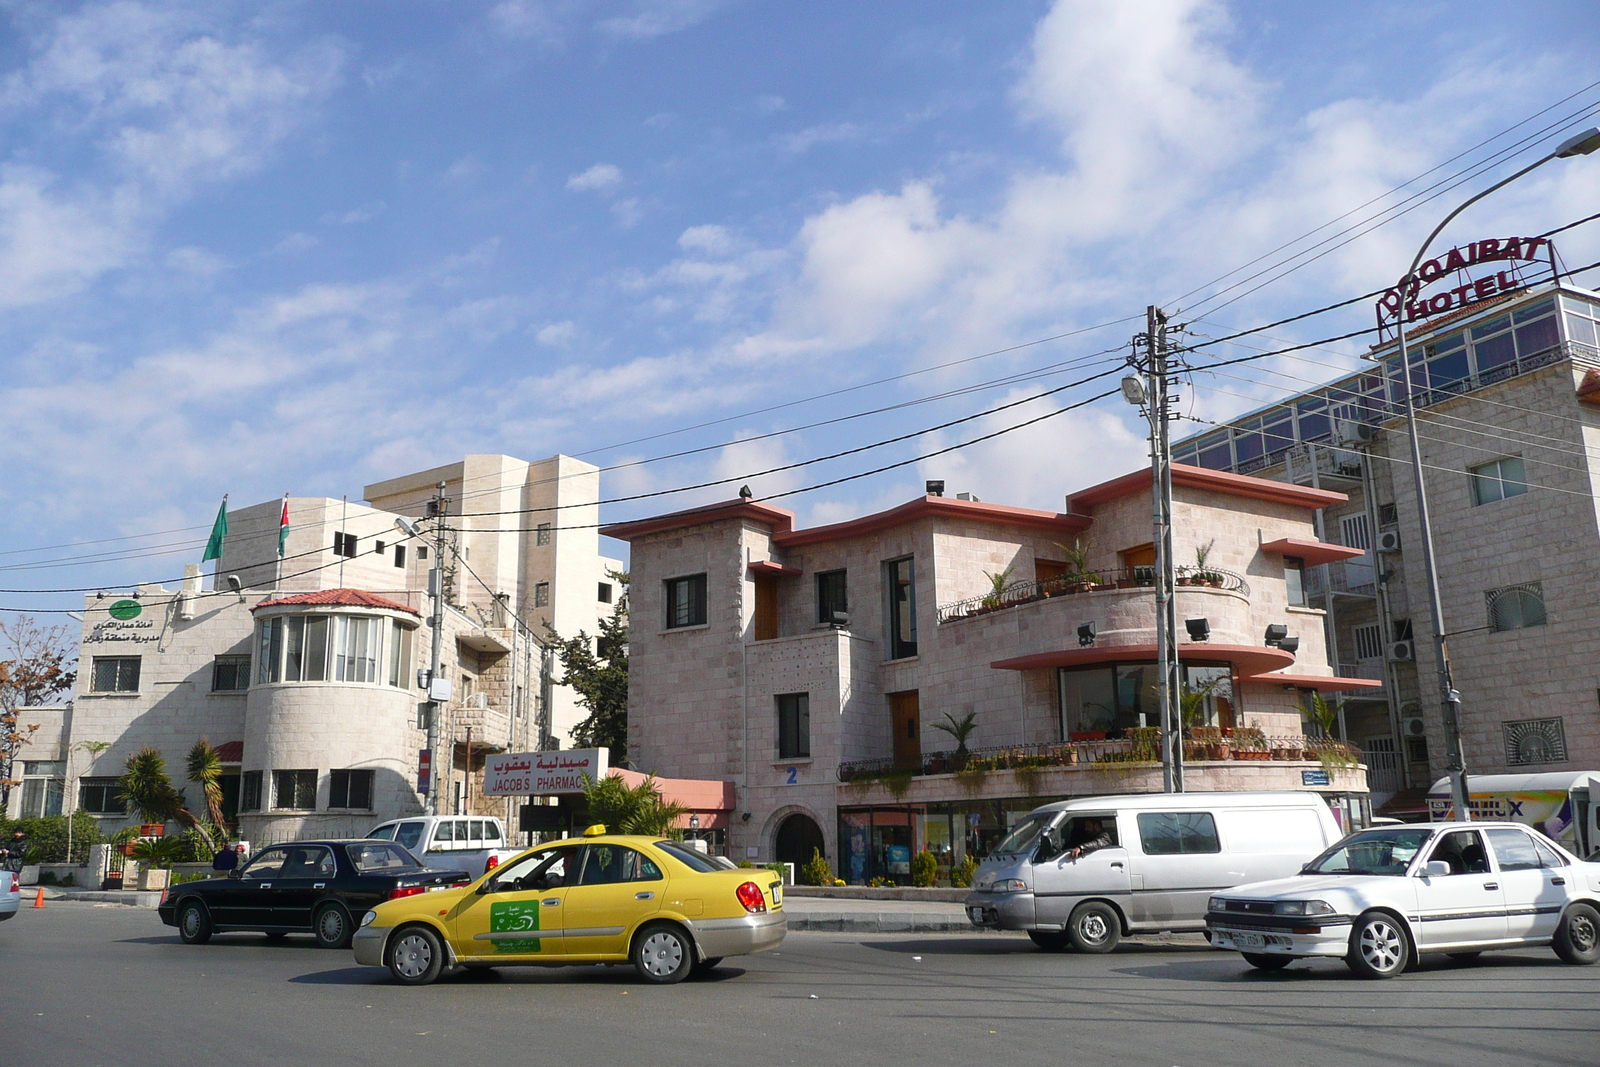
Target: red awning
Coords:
[[1320, 682], [1311, 551], [1246, 659], [774, 569]]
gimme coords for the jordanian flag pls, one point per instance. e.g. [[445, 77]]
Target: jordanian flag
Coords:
[[219, 531], [283, 526]]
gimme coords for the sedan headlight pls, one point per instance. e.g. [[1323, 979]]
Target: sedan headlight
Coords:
[[1217, 904], [366, 920], [1011, 885], [1303, 907]]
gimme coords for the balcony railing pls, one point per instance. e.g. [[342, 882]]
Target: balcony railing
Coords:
[[1200, 745], [1026, 592]]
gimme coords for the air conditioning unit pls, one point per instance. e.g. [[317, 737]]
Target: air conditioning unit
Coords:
[[1402, 652], [1388, 540], [480, 700], [1414, 727], [1350, 432]]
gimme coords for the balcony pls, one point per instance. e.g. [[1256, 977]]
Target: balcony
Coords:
[[1370, 669], [1029, 592]]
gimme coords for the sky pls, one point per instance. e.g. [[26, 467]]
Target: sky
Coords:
[[301, 247]]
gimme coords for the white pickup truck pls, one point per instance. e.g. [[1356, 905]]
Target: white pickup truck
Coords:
[[473, 844]]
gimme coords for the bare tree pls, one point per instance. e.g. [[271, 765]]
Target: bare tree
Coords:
[[38, 664]]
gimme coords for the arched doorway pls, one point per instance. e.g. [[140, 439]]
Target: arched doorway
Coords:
[[798, 837]]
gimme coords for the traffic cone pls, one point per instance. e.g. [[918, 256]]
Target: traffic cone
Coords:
[[38, 898]]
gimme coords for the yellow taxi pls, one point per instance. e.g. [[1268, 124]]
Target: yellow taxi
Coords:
[[601, 898]]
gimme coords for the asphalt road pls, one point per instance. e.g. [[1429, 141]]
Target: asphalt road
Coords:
[[84, 984]]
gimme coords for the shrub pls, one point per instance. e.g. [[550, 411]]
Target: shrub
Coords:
[[817, 870], [961, 874], [746, 865], [47, 836], [924, 868]]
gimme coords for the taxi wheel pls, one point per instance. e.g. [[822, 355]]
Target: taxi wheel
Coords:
[[1266, 961], [332, 927], [194, 924], [1577, 938], [1379, 946], [415, 956], [662, 954], [1048, 940], [1094, 927]]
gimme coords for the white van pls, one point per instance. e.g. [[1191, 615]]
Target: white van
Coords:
[[1144, 863]]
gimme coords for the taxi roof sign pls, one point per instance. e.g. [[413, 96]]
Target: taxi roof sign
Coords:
[[597, 830]]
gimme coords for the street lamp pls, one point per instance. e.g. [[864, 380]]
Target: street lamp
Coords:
[[1580, 145]]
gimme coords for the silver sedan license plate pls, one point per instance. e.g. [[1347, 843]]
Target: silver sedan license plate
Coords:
[[1248, 940]]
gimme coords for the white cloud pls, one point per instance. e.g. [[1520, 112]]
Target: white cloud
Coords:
[[768, 105], [361, 213], [463, 169], [826, 133], [628, 212], [599, 178], [528, 19], [653, 18], [557, 334], [54, 242]]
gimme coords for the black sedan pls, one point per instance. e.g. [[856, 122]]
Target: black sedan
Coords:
[[319, 887]]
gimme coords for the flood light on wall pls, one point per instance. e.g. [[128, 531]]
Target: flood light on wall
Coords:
[[1199, 629], [935, 487], [1276, 633], [1290, 645], [1086, 635]]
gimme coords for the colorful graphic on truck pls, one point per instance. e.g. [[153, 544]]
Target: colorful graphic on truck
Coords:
[[1547, 810]]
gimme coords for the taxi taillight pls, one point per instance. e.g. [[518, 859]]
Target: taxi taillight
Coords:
[[750, 896], [406, 891], [494, 861]]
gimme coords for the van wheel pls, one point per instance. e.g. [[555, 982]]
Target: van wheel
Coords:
[[1094, 927], [194, 924], [1379, 946], [1577, 937], [1048, 940], [1266, 961]]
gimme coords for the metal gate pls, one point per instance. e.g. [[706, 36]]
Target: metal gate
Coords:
[[1383, 765]]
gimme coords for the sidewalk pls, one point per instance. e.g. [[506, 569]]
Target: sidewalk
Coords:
[[834, 915], [132, 898]]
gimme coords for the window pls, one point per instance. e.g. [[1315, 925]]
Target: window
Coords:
[[350, 789], [1355, 533], [1294, 576], [1178, 833], [1498, 480], [250, 791], [378, 547], [355, 649], [43, 783], [541, 534], [116, 674], [399, 555], [409, 835], [604, 593], [344, 544], [1369, 641], [1516, 606], [794, 726], [610, 864], [541, 595], [422, 552], [831, 596], [1417, 748], [900, 588], [1388, 515], [399, 654], [309, 861], [1514, 850], [101, 796], [686, 601], [1535, 741], [294, 790], [1402, 630], [266, 864], [1463, 851], [230, 674], [379, 857]]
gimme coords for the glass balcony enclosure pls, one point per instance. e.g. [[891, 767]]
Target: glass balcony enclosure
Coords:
[[333, 648]]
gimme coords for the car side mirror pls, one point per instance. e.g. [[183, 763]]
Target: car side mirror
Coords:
[[1435, 869], [235, 873]]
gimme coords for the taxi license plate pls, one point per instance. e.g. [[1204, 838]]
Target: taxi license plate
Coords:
[[1248, 941], [777, 895]]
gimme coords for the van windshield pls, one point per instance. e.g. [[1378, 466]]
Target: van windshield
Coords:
[[1026, 833], [1372, 852]]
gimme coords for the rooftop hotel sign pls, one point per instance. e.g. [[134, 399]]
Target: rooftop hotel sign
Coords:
[[1412, 301]]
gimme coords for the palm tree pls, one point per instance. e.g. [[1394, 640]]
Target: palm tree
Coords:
[[997, 586], [205, 770], [147, 789], [1324, 716], [639, 810], [959, 729]]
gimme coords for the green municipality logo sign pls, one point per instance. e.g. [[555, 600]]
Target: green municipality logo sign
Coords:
[[514, 916], [126, 609]]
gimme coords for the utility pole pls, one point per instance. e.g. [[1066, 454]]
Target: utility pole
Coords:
[[437, 509], [1153, 397]]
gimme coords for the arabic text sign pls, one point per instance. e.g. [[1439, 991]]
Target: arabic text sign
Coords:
[[521, 774]]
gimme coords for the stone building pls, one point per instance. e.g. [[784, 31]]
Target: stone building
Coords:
[[1506, 391], [814, 667], [305, 676]]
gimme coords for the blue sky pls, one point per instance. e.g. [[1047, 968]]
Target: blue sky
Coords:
[[302, 247]]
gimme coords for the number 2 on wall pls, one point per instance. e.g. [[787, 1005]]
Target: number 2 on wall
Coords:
[[794, 776]]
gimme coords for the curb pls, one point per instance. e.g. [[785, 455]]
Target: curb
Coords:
[[841, 923], [133, 898]]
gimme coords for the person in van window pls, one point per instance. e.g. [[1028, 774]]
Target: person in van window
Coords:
[[1088, 835]]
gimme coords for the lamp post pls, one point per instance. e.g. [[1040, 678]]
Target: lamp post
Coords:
[[1580, 145]]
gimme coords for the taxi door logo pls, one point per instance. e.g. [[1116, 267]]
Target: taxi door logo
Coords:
[[514, 916]]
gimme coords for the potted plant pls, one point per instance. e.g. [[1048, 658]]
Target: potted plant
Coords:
[[959, 730], [997, 586], [1202, 575], [156, 855], [1080, 579]]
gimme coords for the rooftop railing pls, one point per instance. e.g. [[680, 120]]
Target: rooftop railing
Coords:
[[1026, 592]]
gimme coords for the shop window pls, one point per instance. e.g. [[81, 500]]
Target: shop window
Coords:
[[794, 726], [350, 789], [1516, 606], [1535, 741], [1498, 480], [230, 674], [115, 674], [250, 791], [101, 796], [1178, 833], [541, 534], [294, 790], [832, 596], [541, 594], [1294, 577], [686, 601], [900, 590]]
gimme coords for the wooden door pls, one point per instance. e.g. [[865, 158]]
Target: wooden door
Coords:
[[766, 614], [905, 711]]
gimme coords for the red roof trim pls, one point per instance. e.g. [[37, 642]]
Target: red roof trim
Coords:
[[942, 507], [1213, 481], [1248, 659], [1310, 551], [773, 568], [780, 520], [348, 598], [231, 752], [1321, 682]]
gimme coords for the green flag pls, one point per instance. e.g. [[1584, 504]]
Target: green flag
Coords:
[[219, 531]]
